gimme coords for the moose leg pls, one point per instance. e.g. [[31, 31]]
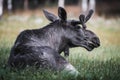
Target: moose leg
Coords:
[[70, 70], [41, 57]]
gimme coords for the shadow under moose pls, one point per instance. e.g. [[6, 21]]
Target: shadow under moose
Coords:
[[42, 47]]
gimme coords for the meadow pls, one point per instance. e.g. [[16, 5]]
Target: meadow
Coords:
[[102, 63]]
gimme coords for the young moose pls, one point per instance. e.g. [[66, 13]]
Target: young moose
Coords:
[[41, 47]]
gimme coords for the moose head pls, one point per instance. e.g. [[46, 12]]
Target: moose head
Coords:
[[76, 35], [89, 38]]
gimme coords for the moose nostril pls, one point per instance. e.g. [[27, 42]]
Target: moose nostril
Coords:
[[98, 44], [96, 41]]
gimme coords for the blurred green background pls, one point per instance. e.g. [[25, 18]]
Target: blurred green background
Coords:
[[102, 63]]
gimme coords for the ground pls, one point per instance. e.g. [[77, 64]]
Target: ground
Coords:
[[102, 63]]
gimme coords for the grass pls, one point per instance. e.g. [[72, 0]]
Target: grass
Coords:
[[102, 63]]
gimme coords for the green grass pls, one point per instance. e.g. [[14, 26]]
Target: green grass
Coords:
[[102, 63]]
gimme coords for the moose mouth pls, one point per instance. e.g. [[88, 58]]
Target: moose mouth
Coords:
[[90, 46]]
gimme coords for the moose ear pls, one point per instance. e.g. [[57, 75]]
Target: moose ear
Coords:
[[62, 14], [51, 17], [89, 15]]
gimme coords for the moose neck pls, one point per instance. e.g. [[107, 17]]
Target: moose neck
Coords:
[[55, 36]]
